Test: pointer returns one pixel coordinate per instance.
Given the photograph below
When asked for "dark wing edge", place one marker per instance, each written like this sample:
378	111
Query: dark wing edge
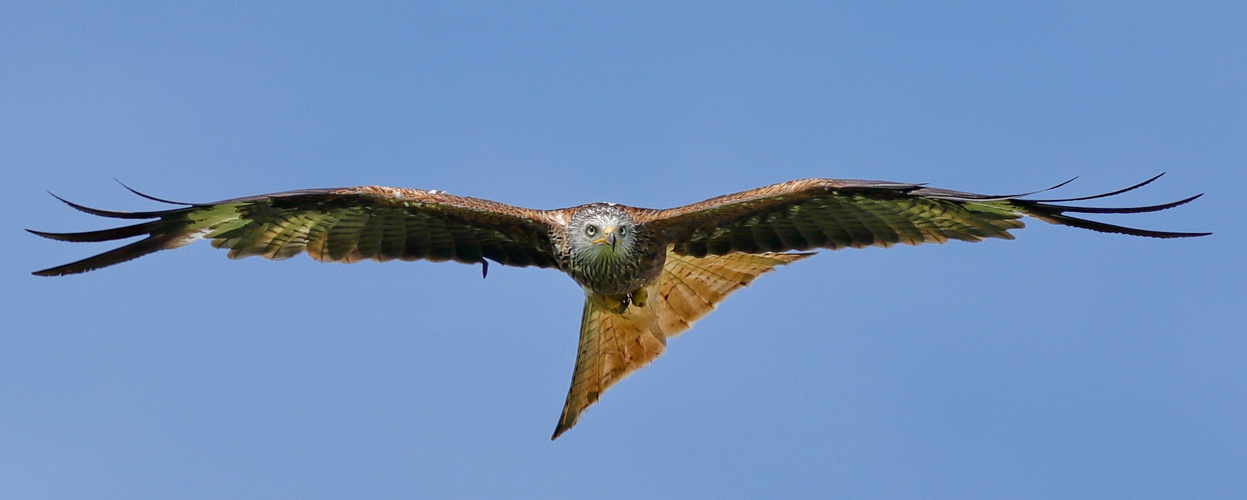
1050	211
331	225
830	213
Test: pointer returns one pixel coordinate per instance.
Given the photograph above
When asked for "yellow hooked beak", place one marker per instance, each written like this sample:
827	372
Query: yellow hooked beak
608	237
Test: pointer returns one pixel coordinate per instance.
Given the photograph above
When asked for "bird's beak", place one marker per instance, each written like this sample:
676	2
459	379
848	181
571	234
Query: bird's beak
608	237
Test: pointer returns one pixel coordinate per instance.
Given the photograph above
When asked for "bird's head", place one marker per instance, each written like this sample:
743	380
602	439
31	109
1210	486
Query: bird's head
602	233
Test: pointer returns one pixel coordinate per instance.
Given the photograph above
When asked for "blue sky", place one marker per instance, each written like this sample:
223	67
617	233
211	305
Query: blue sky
1066	363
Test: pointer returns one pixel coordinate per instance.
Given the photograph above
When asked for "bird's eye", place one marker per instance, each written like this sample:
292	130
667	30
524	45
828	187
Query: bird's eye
623	230
591	230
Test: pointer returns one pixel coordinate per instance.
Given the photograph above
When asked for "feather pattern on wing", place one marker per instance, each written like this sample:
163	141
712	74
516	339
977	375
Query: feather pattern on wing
828	213
335	225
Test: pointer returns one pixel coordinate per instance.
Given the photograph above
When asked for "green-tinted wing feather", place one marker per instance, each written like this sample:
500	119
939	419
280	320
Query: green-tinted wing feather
334	225
828	213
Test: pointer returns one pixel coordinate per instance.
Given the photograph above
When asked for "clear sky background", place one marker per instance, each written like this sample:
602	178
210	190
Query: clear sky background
1066	363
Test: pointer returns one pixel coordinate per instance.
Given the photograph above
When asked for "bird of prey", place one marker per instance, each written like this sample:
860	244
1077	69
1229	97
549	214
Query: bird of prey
647	274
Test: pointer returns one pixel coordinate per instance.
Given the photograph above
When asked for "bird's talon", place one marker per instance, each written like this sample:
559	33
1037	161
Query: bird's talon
639	297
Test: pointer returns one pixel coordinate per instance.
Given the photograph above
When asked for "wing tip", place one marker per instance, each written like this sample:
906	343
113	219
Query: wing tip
111	213
157	232
43	234
1049	211
150	197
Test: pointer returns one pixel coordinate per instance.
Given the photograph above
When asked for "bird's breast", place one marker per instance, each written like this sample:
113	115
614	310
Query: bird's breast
613	276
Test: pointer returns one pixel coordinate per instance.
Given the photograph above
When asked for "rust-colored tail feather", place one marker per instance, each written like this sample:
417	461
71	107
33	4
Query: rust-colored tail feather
612	346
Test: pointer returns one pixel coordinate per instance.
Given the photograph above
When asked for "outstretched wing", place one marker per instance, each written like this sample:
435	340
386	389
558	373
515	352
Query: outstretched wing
333	225
829	213
612	346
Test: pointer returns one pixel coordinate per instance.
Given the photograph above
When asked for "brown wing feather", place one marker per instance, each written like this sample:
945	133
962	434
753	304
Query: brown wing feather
830	213
335	225
612	346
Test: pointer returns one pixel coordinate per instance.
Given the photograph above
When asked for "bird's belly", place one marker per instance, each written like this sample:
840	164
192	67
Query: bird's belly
622	279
